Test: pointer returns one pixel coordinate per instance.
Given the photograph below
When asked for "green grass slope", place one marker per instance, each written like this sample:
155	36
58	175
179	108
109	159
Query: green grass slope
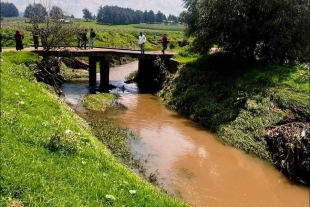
238	100
49	156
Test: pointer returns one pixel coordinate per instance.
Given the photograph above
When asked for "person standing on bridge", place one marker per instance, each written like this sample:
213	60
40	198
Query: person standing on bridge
19	40
164	41
92	37
36	39
141	42
84	39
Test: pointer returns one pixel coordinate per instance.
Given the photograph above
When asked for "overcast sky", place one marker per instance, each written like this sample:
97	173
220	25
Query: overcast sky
75	7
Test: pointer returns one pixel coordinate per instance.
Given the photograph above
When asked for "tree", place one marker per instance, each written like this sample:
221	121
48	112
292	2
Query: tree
35	12
145	17
276	30
54	35
56	13
182	17
8	10
172	18
151	17
87	14
159	17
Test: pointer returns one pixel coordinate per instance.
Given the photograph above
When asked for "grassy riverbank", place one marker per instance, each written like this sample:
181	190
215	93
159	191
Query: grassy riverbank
238	100
50	157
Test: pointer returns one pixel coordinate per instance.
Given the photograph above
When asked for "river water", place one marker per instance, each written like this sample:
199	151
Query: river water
188	161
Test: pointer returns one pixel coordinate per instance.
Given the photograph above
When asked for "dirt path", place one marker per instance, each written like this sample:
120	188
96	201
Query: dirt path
14	49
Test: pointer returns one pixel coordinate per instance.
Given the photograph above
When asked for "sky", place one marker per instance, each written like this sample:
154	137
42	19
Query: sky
75	7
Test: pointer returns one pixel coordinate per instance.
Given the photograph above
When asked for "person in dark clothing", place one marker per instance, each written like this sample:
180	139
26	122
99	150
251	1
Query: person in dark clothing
19	40
43	35
79	38
164	41
84	39
36	39
92	37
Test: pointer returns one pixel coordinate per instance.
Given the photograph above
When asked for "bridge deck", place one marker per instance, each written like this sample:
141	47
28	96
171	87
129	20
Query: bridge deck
101	52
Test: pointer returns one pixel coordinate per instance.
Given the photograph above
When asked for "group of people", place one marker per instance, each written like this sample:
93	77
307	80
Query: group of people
82	39
36	34
142	40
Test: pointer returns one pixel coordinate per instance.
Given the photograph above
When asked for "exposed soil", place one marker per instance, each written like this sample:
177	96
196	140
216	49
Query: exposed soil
289	145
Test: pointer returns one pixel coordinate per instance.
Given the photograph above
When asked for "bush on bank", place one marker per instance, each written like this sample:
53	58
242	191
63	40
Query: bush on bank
49	156
240	100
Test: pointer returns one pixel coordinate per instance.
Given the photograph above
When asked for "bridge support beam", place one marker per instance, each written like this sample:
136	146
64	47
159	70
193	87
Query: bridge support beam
104	75
92	75
147	74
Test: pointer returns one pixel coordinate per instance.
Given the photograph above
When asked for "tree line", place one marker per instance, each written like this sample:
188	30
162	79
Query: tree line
116	15
106	14
9	10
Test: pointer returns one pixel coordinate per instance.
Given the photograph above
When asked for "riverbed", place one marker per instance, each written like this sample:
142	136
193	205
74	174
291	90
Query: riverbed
187	160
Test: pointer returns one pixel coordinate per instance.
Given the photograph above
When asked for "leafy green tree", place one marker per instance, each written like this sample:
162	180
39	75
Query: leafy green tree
172	18
159	17
151	17
145	17
35	12
54	35
87	14
276	31
8	10
117	15
56	13
138	17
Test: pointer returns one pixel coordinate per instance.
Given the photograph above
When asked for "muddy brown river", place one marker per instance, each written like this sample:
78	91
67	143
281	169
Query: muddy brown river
188	161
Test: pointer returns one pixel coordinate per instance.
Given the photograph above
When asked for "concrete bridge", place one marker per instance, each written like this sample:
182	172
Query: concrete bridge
104	57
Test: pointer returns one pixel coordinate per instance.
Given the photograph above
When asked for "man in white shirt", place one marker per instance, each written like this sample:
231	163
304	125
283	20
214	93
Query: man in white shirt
141	42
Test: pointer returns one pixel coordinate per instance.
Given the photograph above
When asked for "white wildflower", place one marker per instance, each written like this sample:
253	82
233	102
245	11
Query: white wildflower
68	131
132	192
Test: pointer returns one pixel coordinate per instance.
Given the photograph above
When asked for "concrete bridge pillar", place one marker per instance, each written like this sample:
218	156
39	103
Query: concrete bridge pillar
146	73
104	75
92	75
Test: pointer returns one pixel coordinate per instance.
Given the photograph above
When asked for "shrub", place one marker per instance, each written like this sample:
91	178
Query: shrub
63	142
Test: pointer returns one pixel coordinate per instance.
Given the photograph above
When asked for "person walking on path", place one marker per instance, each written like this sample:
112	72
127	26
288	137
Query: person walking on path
19	40
84	39
141	42
164	41
92	37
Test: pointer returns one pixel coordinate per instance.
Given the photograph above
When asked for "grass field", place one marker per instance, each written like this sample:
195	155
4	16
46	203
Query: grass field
114	36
